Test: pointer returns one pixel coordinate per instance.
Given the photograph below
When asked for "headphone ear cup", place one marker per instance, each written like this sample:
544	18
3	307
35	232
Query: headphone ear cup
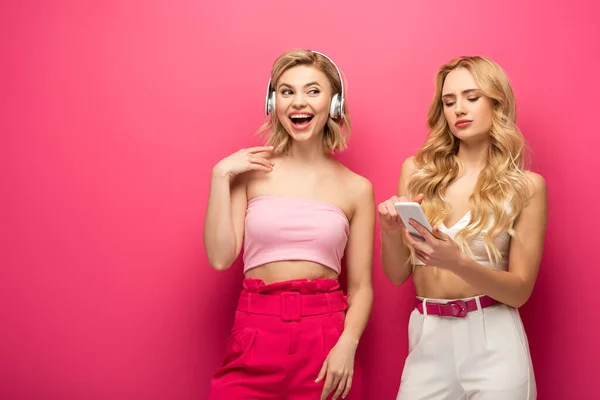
272	101
270	106
334	109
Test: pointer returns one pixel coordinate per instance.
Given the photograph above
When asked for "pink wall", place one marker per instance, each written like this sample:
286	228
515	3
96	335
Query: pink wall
113	114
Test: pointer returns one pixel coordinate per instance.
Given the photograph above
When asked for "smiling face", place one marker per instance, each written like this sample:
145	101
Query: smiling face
303	96
303	83
466	109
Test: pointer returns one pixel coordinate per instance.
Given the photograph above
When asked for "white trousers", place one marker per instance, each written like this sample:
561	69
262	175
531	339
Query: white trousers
484	356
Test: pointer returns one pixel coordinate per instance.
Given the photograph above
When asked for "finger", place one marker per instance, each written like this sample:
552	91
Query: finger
382	209
389	206
393	218
438	233
348	386
322	372
425	234
392	211
410	239
330	383
384	212
328	387
417	243
260	160
258	149
422	256
258	167
340	388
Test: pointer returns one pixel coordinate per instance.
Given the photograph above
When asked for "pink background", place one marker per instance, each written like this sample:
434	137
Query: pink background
114	112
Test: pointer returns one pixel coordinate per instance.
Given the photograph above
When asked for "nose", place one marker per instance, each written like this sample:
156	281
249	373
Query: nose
299	101
459	108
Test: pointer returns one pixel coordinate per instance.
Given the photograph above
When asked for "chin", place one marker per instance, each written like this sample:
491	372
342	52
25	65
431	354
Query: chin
302	136
471	137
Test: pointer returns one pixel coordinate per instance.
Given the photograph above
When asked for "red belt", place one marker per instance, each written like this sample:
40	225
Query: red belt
291	306
454	308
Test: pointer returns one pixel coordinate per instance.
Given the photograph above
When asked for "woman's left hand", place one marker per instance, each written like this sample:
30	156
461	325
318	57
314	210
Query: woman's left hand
437	249
338	368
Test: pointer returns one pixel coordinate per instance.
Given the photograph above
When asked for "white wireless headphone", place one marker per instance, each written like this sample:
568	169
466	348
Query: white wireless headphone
336	110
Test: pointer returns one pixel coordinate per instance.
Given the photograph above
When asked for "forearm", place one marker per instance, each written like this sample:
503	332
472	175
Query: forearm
360	302
219	234
395	256
504	286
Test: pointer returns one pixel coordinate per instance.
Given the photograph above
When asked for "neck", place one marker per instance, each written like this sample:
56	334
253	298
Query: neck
473	155
308	152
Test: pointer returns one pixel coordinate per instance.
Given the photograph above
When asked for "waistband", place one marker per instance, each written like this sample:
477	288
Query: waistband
292	306
453	308
319	285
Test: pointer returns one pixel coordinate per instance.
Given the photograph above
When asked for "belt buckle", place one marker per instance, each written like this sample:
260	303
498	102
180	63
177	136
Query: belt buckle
291	306
462	308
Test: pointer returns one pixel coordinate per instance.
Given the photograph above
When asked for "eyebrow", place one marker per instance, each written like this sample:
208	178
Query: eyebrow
468	91
307	85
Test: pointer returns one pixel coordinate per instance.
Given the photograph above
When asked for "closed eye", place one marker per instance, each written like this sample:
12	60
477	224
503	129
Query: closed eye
473	99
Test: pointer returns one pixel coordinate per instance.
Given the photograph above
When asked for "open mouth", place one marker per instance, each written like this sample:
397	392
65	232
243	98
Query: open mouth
301	120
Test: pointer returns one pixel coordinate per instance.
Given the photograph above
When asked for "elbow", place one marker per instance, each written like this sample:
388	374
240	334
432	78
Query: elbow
516	303
221	258
520	302
219	263
220	266
522	297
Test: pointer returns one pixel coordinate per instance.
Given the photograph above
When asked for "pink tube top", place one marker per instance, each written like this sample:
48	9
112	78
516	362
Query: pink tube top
287	228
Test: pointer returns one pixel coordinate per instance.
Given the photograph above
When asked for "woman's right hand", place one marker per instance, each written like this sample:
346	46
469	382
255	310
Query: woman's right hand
389	219
244	160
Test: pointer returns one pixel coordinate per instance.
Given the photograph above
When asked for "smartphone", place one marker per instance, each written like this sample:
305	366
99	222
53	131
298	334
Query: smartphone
412	210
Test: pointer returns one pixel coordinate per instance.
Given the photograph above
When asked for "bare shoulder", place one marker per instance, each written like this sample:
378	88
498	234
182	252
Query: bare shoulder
537	204
358	186
536	184
362	186
409	166
535	213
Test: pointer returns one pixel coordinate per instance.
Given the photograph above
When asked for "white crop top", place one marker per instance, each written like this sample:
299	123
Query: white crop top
477	246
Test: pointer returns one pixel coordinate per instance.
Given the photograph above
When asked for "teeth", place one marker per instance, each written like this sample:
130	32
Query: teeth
300	116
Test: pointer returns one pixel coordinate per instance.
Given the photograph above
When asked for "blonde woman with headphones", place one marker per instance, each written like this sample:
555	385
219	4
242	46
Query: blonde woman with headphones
296	211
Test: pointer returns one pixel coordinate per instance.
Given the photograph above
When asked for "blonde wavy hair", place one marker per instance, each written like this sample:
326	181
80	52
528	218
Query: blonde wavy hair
501	191
336	132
